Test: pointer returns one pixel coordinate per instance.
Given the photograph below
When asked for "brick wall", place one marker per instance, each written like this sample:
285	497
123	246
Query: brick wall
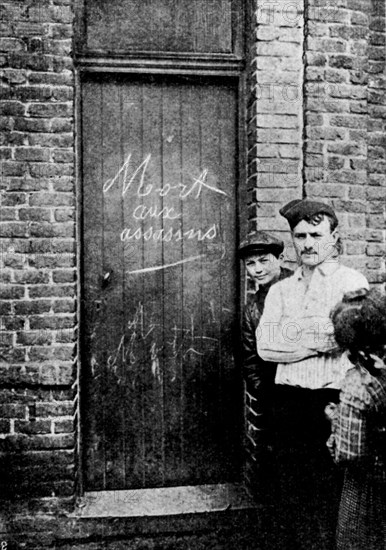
37	262
275	115
376	140
343	106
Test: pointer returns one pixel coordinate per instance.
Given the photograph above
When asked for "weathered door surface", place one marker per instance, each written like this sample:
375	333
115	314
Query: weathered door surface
161	392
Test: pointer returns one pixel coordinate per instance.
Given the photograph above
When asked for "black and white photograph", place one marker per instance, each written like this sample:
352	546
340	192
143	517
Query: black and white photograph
192	275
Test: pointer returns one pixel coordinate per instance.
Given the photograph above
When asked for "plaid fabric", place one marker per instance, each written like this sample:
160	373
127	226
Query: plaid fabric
362	512
358	441
359	421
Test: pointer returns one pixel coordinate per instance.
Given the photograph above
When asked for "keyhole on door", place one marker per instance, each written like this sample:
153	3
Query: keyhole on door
106	279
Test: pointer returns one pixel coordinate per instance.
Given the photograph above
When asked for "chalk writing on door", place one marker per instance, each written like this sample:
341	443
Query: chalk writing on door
133	178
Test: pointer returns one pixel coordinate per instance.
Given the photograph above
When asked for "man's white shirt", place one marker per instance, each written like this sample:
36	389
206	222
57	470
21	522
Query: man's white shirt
295	329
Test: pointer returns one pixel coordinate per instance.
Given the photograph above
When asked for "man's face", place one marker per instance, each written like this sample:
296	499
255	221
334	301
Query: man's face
262	267
314	243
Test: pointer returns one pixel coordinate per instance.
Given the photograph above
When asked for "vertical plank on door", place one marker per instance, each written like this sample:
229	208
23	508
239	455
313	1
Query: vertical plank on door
133	154
112	284
173	289
92	306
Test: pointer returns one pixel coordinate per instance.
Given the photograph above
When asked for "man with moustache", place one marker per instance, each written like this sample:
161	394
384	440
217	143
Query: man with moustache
261	253
295	332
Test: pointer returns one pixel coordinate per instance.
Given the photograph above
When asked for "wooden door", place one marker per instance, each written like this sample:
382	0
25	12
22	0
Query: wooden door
162	400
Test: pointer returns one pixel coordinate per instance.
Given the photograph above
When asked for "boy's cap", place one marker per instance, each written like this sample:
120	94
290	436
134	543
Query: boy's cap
299	209
260	242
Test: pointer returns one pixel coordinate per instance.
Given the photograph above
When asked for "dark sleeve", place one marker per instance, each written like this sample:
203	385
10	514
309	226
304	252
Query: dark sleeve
250	357
259	377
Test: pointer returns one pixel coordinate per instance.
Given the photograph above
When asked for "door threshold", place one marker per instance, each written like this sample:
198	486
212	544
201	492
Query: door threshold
164	501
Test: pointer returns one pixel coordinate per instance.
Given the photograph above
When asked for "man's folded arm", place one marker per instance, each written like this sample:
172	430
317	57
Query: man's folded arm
277	342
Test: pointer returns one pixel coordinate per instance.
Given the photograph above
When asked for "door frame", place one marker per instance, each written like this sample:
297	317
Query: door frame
148	63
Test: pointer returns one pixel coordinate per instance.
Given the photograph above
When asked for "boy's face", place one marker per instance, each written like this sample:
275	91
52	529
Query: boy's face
314	243
263	268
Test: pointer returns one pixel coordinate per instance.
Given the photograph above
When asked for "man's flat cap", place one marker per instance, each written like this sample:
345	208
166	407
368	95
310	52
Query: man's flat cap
260	242
300	209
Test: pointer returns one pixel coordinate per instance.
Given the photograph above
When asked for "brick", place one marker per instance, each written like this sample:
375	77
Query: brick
15	261
32	307
48	354
33	427
376	193
32	93
41	441
62	79
51	140
12	355
12	323
61	375
46	229
348	121
375	249
377	222
16	229
13	168
64	306
316	59
33	154
377	153
335	76
326	190
47	110
11	292
374	263
350	206
277	49
32	124
32	277
11	410
377	39
355	247
346	149
64	426
13	199
34	214
374	235
5	277
358	18
327	106
43	170
375	67
278	136
6	339
377	166
14	76
357	192
34	61
5	123
61	125
329	14
11	45
5	153
4	426
376	277
64	215
34	338
51	322
51	199
326	45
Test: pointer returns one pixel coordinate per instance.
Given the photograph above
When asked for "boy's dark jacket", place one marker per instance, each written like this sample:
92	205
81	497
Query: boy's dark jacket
259	374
